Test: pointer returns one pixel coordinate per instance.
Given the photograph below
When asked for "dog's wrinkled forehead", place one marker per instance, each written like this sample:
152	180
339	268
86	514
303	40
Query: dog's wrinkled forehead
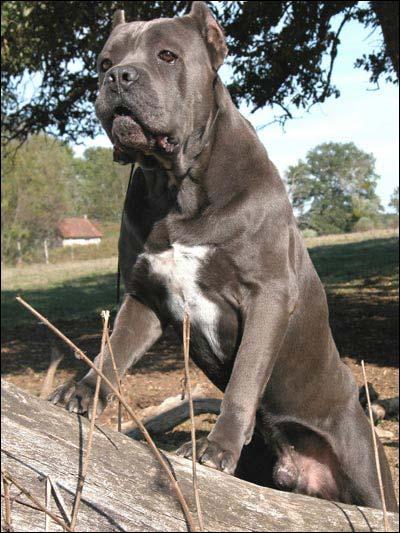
142	40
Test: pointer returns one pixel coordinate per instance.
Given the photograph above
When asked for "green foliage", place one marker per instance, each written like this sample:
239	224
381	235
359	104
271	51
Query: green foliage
394	200
334	188
100	185
364	224
309	233
35	184
278	53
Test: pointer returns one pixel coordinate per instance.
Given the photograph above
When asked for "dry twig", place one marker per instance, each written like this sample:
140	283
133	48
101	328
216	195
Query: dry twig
35	500
186	344
26	504
79	353
47	496
377	462
118	380
7	505
59	500
82	477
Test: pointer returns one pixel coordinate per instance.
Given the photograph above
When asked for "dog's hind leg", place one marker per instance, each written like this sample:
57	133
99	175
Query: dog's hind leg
136	329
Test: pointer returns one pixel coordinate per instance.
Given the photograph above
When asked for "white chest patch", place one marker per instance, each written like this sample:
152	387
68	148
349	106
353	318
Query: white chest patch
178	268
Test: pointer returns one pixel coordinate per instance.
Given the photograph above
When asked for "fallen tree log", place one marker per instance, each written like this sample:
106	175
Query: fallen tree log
172	412
126	490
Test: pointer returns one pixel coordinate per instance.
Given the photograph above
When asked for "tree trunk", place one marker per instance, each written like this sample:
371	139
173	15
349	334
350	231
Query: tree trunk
388	17
126	490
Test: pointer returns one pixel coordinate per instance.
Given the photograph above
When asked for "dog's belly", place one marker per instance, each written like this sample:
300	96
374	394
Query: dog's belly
177	269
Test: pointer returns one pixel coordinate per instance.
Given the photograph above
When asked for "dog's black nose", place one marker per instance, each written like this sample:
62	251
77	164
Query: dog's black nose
122	77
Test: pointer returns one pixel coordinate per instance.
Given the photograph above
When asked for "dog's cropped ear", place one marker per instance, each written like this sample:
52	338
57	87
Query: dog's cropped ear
212	33
118	18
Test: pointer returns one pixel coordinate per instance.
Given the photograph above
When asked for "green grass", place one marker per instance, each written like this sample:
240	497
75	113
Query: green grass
79	290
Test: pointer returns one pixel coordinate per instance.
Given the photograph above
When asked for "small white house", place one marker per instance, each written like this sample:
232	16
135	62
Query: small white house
76	231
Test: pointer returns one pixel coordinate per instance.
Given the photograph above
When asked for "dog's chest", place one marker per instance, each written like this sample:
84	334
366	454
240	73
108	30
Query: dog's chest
178	269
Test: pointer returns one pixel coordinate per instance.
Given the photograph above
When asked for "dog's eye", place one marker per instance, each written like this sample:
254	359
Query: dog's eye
167	56
105	65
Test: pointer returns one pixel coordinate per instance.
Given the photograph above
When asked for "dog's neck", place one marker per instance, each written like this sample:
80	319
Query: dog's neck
191	175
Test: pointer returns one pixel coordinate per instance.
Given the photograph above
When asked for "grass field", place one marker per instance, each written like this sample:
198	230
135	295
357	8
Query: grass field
78	290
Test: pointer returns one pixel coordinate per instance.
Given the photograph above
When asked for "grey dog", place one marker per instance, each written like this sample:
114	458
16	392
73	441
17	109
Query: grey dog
208	228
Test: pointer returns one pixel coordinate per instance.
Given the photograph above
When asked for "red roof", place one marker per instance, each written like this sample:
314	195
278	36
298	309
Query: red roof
78	228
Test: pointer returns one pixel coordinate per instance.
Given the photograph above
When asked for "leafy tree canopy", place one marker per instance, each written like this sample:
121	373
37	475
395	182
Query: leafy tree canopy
334	188
281	53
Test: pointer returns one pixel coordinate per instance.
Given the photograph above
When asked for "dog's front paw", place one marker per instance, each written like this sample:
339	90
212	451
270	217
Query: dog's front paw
77	398
212	454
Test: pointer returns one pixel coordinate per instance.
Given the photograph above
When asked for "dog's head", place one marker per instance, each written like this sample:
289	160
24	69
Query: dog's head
156	81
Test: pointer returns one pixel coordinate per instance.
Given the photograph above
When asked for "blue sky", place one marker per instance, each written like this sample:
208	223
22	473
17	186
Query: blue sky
362	114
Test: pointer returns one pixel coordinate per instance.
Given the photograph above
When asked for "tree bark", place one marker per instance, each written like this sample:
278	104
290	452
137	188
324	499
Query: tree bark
125	489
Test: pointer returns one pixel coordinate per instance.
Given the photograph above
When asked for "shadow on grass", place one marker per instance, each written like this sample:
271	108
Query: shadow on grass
365	261
74	307
360	277
81	299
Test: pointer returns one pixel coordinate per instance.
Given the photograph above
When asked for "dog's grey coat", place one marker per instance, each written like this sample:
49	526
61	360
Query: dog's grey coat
208	227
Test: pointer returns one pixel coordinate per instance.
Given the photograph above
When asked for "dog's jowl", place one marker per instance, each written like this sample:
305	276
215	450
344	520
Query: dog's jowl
208	228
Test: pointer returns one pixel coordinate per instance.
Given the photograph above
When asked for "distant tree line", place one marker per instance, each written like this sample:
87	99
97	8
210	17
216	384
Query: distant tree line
333	191
43	182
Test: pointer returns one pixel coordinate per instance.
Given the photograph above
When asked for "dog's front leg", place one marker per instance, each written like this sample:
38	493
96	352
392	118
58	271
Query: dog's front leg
136	329
266	320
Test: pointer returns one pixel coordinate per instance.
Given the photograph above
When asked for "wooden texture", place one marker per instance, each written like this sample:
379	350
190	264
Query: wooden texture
126	490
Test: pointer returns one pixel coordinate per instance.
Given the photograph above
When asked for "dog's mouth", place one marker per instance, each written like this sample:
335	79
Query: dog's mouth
129	136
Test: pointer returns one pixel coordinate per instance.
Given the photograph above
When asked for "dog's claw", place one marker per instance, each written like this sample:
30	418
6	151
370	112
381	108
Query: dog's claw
55	398
210	454
77	398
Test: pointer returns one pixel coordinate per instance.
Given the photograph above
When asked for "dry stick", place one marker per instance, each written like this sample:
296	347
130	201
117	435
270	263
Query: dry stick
7	508
47	495
59	499
117	380
377	463
186	344
149	440
35	501
17	500
82	477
